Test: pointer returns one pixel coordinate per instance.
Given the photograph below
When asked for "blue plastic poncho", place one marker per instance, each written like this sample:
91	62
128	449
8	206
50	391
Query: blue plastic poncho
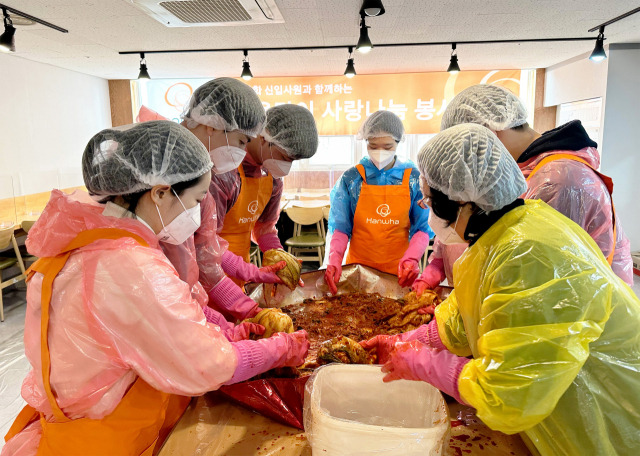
346	192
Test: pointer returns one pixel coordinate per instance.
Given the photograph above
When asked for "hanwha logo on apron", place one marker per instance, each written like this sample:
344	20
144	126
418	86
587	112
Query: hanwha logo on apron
253	207
383	210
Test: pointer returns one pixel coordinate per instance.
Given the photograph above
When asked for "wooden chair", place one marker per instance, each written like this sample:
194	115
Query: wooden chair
7	239
26	258
306	241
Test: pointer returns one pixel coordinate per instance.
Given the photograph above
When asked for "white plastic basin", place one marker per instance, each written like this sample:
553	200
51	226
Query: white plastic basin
349	411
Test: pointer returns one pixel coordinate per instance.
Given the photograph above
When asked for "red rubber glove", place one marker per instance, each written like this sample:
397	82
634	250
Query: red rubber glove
417	361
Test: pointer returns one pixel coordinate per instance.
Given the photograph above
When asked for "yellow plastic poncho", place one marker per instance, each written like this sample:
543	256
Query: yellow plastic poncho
554	334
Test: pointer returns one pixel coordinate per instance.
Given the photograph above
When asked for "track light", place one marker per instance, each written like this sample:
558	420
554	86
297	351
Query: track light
351	69
364	43
372	8
246	71
453	63
144	74
7	39
598	54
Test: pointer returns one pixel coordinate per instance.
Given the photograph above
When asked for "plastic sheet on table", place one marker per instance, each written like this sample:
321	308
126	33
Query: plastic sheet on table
281	399
212	426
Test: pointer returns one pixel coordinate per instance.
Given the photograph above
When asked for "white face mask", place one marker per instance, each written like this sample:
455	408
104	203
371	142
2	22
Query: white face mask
445	232
381	157
277	168
226	158
182	227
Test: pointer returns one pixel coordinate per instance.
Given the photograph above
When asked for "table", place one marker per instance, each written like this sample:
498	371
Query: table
212	426
309	203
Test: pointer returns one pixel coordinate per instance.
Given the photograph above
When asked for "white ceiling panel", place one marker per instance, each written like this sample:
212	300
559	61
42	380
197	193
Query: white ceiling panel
98	29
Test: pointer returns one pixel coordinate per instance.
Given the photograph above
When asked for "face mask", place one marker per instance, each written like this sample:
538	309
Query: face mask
182	227
381	157
445	232
277	168
226	158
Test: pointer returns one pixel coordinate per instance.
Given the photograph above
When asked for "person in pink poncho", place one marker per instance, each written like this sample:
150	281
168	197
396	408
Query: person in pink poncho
560	166
121	336
225	115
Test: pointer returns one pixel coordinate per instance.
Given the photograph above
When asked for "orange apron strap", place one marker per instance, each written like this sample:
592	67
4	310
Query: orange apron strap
362	172
241	171
605	179
406	177
50	268
26	416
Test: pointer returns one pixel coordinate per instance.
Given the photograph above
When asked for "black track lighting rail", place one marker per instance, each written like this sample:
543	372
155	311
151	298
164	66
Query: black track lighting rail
346	46
615	19
35	19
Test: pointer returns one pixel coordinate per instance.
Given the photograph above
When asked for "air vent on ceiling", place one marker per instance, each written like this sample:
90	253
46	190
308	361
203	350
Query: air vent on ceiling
200	13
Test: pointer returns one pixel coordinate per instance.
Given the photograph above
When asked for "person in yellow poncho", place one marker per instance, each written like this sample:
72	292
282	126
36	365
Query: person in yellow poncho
553	332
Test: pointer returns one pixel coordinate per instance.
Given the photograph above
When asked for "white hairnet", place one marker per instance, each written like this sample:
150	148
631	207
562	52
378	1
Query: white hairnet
226	104
469	164
382	123
488	105
293	129
124	160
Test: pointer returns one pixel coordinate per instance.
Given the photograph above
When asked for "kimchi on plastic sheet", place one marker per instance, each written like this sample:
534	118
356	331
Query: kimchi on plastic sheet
282	398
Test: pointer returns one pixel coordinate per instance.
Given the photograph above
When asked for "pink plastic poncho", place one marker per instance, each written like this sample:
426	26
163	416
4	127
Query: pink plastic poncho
576	191
118	311
448	253
199	259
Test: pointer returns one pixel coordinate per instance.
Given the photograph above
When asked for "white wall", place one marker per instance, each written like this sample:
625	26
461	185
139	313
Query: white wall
621	146
574	80
47	115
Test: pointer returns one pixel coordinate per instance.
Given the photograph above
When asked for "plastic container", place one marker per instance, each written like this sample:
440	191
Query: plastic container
349	411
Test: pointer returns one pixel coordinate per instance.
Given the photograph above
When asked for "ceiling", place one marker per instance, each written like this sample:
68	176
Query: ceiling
99	29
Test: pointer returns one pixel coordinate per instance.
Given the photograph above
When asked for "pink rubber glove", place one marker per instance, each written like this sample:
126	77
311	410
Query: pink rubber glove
338	246
415	361
431	277
243	331
235	266
408	269
228	298
258	356
215	317
269	241
384	344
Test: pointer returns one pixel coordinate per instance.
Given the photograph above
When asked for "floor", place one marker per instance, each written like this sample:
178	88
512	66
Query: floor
14	365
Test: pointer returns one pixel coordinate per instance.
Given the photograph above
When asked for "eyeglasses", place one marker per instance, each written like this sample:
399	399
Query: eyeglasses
425	203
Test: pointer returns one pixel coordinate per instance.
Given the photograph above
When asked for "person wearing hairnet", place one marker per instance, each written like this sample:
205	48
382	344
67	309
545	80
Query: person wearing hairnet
374	206
114	338
552	330
560	166
248	198
224	114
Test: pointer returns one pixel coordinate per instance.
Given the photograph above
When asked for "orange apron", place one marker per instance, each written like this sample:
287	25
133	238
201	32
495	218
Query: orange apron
255	193
142	419
381	224
608	182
